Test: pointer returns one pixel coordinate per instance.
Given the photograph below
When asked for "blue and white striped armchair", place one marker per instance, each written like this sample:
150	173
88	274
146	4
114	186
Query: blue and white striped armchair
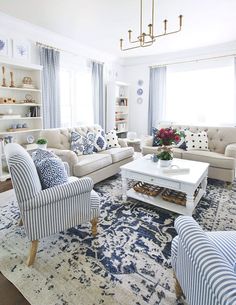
49	211
204	264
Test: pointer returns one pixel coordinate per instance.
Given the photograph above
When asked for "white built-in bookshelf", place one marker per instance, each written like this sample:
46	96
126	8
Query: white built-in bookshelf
117	108
20	116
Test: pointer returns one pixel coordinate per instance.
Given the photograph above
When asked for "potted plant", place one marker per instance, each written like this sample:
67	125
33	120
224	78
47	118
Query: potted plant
42	143
168	137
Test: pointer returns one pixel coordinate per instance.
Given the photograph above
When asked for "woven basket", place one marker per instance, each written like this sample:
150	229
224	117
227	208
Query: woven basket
147	189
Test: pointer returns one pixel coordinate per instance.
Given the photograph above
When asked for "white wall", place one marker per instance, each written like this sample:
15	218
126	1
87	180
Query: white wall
137	68
138	112
129	69
14	28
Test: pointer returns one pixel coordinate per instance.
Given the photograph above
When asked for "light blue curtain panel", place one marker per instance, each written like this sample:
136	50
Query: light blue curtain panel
50	60
98	93
157	97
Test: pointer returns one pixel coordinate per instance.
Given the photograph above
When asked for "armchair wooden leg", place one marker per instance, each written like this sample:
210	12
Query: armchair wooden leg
178	290
94	223
20	223
32	254
228	185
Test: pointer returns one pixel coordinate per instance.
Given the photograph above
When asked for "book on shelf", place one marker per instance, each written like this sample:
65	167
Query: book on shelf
34	111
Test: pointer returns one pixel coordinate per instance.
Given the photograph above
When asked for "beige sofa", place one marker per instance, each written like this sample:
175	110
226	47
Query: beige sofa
98	166
221	155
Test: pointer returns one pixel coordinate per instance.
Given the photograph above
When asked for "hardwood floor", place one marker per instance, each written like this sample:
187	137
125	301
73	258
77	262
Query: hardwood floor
9	294
5	186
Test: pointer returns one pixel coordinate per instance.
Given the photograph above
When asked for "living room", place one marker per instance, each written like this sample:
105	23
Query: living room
118	148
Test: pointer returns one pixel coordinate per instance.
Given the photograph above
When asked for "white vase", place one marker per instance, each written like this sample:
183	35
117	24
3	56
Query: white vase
165	163
42	146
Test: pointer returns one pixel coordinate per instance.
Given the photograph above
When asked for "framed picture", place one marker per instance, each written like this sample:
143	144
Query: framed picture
21	49
4	48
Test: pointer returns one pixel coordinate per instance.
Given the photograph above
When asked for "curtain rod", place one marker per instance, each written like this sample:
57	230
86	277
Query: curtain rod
40	44
192	60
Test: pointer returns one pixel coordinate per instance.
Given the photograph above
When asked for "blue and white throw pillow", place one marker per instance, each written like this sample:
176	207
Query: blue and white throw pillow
41	154
112	139
100	142
182	142
156	139
76	143
82	145
51	172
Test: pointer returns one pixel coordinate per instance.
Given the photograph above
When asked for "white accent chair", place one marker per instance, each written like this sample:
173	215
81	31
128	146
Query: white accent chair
49	211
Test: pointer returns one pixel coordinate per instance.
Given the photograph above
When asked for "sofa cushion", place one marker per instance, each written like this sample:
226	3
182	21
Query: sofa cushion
196	141
153	150
112	139
177	152
156	139
51	172
215	159
41	154
118	154
82	144
90	163
225	242
100	142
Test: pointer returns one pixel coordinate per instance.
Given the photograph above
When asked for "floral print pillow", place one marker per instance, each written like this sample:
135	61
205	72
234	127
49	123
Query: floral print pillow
82	145
100	141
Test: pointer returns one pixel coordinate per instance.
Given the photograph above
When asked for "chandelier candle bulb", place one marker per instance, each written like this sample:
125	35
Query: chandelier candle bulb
130	32
150	30
165	25
180	21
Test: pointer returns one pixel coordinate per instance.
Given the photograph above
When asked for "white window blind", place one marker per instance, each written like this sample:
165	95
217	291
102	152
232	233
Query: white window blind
76	94
201	93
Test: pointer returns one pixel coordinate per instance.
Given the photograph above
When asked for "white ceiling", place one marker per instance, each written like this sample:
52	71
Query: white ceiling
101	23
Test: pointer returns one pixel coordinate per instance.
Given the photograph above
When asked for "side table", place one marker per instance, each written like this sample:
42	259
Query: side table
136	143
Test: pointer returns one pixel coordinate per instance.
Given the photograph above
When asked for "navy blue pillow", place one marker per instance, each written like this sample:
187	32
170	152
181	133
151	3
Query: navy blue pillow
51	172
156	140
182	142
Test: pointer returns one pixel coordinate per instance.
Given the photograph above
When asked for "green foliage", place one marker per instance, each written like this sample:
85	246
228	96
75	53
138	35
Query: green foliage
165	155
41	141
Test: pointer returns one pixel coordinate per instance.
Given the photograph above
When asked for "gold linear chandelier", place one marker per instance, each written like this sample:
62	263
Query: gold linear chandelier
147	39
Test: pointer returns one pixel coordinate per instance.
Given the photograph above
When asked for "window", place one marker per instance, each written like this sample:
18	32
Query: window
76	94
201	93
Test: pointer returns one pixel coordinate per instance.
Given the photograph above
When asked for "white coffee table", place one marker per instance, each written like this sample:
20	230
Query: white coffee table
145	170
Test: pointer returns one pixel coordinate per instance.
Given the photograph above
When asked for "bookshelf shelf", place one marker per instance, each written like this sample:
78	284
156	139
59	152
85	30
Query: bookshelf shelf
28	113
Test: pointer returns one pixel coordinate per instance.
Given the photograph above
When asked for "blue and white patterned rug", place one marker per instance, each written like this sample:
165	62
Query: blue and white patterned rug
128	263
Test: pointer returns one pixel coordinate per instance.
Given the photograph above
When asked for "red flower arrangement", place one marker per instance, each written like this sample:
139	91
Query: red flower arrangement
168	136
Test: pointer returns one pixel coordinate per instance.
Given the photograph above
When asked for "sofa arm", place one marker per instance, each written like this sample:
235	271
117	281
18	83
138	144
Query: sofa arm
122	142
146	150
204	263
67	168
59	192
230	150
147	141
68	156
